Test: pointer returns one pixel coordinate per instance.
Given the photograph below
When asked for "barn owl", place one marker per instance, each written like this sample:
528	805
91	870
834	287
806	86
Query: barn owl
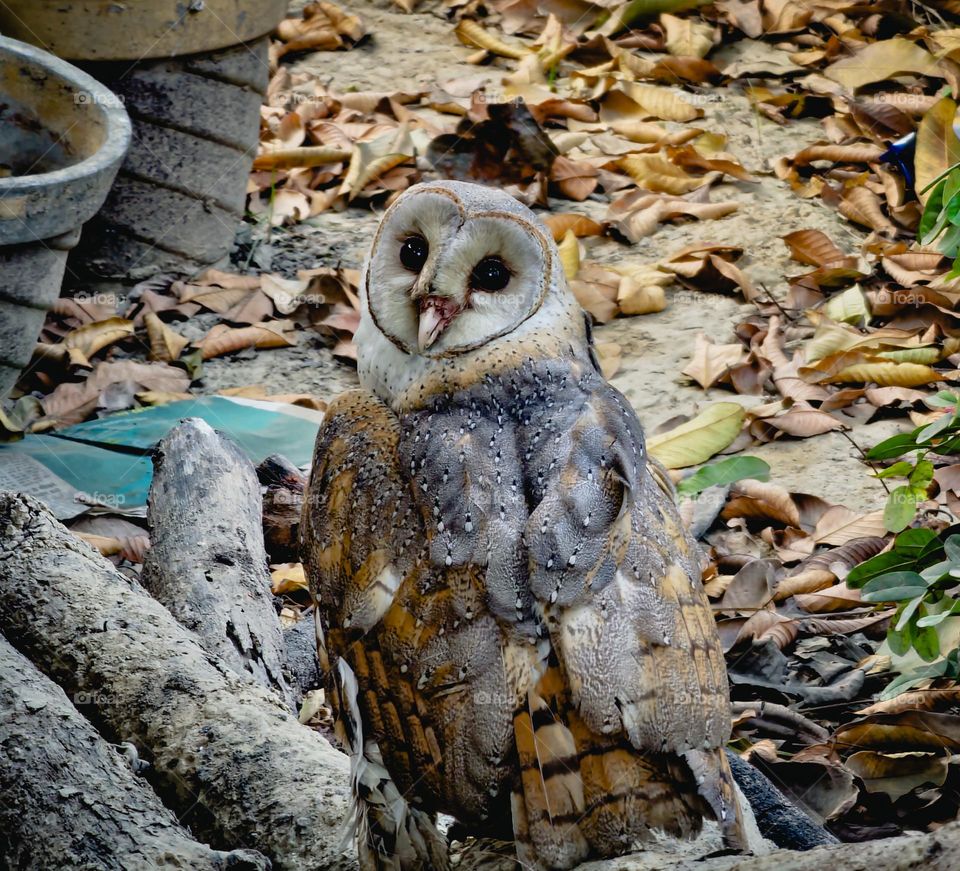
510	613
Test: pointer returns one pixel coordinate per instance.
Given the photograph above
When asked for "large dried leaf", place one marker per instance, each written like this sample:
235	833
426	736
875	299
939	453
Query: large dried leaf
763	501
469	32
323	27
227	340
815	248
840	525
886	375
580	225
898	774
73	402
687	37
96	336
903	732
712	363
165	344
306	156
937	148
639	213
698	439
663	103
576	179
882	60
653	172
862	206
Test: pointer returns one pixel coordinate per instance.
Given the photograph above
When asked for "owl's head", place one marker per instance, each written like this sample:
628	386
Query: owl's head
456	266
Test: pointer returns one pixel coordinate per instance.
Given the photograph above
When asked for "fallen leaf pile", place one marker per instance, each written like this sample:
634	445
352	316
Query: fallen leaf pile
107	355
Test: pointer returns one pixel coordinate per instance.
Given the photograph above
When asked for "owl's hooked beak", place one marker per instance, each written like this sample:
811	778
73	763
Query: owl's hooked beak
436	314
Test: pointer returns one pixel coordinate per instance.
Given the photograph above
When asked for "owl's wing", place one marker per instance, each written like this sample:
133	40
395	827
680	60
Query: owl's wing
628	618
360	537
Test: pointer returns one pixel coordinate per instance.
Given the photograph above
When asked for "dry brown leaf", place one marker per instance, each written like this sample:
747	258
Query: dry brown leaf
840	525
560	222
638	297
828	151
815	248
227	340
165	344
575	179
569	251
762	501
654	172
882	60
887	375
937	146
595	288
609	355
839	597
712	363
862	206
287	578
72	402
638	213
469	32
686	37
322	28
97	335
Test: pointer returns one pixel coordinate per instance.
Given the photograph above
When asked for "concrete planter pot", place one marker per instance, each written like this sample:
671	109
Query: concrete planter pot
63	136
192	76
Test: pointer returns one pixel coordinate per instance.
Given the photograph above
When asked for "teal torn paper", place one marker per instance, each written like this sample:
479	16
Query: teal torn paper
105	463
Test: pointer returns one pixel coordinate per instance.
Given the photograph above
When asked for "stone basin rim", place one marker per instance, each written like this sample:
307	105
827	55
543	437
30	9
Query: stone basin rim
118	127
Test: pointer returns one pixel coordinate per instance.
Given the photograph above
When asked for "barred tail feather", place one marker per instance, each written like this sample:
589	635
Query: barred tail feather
391	835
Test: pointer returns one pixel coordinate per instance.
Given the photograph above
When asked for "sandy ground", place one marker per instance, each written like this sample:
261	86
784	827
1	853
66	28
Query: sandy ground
411	52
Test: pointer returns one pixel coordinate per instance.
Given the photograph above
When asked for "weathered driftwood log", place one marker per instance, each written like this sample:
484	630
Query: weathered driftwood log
282	502
225	753
69	800
207	562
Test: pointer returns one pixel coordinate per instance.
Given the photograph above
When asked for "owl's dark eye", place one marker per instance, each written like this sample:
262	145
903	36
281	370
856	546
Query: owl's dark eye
413	253
490	274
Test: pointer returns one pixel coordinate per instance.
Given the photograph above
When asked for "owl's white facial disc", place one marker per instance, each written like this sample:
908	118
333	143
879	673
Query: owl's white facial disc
447	275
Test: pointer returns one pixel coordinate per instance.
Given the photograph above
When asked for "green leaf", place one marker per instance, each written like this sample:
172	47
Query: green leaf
921	476
927	643
916	542
932	211
900	641
932	574
723	472
894	587
949	242
907	612
935	428
876	566
895	446
942	399
898	470
901	508
951	548
952	206
937	619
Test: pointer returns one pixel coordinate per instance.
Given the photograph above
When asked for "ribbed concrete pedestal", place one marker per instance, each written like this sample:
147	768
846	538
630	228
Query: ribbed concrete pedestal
180	194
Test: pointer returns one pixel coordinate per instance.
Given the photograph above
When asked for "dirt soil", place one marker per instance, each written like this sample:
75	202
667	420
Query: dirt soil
411	52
